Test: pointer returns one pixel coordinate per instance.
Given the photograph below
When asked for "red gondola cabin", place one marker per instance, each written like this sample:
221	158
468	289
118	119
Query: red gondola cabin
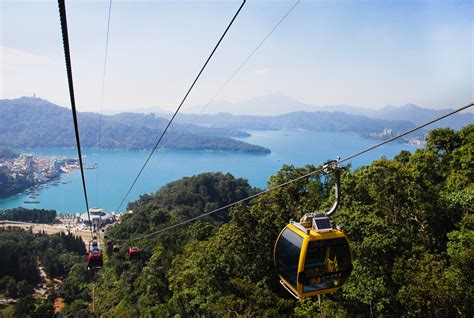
94	260
134	254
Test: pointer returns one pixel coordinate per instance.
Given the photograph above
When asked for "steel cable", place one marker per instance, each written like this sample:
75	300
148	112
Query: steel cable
179	107
298	178
102	104
67	56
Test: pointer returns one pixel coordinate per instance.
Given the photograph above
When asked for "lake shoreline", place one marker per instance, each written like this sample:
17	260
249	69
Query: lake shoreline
116	169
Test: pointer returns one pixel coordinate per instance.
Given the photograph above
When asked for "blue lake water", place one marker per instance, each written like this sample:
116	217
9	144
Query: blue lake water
108	184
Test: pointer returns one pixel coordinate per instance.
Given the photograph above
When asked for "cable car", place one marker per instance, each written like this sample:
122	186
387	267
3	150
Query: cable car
313	256
134	254
109	247
94	259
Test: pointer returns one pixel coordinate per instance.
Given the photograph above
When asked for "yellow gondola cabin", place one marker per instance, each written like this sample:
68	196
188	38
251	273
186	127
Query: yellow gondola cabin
313	257
311	262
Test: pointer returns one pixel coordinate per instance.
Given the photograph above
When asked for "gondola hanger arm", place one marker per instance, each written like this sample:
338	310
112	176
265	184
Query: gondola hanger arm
332	167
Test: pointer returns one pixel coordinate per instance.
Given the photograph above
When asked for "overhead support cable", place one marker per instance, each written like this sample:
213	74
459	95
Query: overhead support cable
237	70
67	56
179	107
309	174
99	137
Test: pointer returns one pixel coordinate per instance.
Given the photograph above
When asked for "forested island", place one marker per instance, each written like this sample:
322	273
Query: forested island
409	222
36	123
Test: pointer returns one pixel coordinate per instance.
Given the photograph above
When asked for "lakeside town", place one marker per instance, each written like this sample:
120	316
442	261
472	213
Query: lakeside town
387	133
26	173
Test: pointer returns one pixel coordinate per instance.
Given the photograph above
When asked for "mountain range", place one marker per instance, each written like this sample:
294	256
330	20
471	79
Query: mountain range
280	104
33	122
313	121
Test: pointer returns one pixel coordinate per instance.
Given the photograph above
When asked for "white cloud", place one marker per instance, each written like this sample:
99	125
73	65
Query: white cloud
11	58
263	71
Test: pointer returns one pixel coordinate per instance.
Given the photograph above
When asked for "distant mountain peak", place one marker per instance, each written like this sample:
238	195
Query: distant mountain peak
410	106
28	100
31	99
266	105
275	96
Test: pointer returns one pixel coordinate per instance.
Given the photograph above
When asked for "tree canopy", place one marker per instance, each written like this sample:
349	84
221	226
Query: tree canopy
408	221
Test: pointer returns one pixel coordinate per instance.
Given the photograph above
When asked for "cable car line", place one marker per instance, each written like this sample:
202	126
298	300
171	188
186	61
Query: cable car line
67	56
298	178
237	70
93	298
180	105
102	103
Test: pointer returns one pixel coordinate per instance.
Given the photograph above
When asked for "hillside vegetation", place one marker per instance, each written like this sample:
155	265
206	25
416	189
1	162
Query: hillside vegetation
408	220
60	256
28	215
33	122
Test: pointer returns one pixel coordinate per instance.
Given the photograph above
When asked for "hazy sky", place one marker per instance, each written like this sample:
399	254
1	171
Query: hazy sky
368	53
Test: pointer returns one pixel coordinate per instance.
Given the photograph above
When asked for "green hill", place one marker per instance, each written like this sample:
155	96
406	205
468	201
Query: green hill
408	220
35	123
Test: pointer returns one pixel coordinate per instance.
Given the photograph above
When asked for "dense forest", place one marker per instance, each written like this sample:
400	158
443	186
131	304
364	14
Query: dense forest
23	252
28	215
34	123
408	220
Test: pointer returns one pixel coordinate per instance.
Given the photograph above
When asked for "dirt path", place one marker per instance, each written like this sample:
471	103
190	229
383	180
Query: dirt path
40	291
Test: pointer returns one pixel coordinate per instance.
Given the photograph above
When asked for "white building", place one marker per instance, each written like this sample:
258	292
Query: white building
98	216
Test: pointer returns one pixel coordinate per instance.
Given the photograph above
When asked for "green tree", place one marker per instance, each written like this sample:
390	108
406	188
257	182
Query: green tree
25	307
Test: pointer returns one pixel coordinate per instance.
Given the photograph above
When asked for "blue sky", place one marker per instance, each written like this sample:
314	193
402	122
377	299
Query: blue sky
367	53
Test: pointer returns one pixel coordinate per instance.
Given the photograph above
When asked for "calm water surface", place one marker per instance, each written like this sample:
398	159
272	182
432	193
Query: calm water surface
108	184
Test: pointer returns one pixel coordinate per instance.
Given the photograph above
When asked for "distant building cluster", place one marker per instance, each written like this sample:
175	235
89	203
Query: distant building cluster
416	141
388	133
37	169
385	134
